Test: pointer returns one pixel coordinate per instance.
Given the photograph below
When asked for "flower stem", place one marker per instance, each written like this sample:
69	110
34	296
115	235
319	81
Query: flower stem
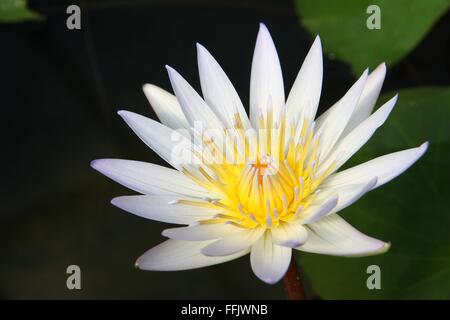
292	282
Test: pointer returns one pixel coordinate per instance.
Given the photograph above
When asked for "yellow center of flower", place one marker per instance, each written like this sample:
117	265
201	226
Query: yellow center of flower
276	182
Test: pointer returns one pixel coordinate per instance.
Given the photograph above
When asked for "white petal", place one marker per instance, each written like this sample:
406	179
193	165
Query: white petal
201	232
332	123
289	235
166	107
385	168
175	255
266	83
349	194
351	143
333	199
268	260
304	96
368	98
148	178
163	208
234	243
318	211
218	91
169	144
332	235
194	108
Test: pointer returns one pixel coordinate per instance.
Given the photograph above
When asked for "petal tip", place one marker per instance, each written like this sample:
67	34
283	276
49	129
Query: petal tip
116	201
383	249
386	246
200	47
424	147
148	88
99	164
142	262
123	113
169	68
389	105
380	68
202	53
378	74
262	26
263	33
365	72
173	74
317	43
127	116
94	164
271	281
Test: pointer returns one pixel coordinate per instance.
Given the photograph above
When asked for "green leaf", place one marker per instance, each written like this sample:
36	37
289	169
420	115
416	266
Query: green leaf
343	29
412	211
16	11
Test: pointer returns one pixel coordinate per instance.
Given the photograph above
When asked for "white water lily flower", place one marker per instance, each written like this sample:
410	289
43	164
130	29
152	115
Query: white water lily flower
285	193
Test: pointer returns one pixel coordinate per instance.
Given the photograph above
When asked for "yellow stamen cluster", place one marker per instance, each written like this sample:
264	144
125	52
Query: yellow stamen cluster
276	182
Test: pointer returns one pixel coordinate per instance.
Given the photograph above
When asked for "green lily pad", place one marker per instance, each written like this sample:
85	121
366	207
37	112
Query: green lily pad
343	29
16	11
412	211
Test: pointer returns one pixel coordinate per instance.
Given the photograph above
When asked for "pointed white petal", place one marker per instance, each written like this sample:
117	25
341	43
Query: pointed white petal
166	107
266	83
148	178
289	235
201	232
268	260
194	108
304	96
351	143
319	210
234	243
175	255
162	208
368	98
352	193
334	236
332	123
169	144
385	168
218	91
346	195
